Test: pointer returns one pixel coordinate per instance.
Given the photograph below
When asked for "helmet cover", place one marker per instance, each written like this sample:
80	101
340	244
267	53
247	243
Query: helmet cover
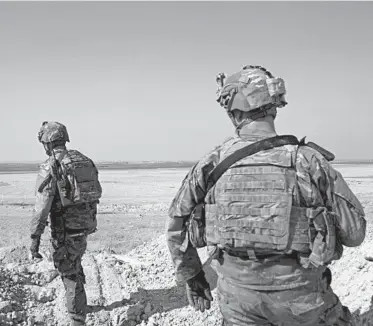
249	89
51	131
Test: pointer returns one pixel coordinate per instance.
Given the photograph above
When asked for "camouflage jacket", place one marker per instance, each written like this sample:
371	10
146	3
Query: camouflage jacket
316	183
48	203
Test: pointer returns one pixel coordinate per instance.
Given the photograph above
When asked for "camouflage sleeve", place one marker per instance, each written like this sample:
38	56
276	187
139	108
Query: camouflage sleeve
43	202
321	185
191	192
351	222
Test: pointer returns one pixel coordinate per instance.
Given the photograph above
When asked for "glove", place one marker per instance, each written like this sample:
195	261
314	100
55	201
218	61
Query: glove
35	247
326	279
198	292
327	275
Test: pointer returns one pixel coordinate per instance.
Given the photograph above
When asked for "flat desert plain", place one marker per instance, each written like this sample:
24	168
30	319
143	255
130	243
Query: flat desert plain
129	275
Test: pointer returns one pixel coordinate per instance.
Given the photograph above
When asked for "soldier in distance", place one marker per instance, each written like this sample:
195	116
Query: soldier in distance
67	190
274	220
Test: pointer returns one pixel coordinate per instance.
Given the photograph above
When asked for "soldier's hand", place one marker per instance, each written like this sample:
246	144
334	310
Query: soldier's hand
198	292
34	248
327	275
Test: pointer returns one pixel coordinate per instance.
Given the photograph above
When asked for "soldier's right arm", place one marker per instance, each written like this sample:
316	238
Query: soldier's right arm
191	193
321	185
43	202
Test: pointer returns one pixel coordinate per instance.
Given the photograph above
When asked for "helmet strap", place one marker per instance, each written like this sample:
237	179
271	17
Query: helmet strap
232	94
231	116
48	148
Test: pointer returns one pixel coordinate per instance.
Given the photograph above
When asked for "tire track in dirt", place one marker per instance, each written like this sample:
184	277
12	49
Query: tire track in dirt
115	297
93	284
95	291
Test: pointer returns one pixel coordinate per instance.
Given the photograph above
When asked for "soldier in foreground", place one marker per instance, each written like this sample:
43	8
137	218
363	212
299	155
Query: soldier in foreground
274	217
67	190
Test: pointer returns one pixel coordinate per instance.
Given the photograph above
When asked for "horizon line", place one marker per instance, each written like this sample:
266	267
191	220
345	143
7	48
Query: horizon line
167	161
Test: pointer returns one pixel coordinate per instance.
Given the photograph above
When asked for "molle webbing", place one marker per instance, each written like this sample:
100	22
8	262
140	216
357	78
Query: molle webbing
82	177
255	210
300	232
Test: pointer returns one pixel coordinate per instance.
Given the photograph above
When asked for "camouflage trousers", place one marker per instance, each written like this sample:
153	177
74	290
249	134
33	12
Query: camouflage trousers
312	304
67	257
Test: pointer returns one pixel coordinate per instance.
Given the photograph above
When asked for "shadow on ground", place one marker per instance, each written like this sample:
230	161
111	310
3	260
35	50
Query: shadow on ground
366	318
162	300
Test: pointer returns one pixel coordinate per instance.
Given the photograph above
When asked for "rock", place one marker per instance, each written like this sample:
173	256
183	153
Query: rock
22	269
11	266
148	308
31	269
131	316
126	274
30	321
46	295
50	275
212	319
129	260
5	306
39	318
122	319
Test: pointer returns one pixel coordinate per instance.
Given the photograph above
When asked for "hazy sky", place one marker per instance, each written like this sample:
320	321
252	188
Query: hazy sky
136	81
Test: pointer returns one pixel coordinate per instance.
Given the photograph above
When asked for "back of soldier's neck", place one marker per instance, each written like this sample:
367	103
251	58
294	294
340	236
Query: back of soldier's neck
59	148
261	127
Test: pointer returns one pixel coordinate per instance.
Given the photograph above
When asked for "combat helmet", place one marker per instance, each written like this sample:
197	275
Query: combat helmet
52	132
253	89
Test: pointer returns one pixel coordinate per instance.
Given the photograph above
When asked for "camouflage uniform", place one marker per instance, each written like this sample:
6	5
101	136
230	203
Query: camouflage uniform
69	243
274	289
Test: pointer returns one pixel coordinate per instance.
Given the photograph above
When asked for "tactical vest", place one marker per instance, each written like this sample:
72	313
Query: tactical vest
255	206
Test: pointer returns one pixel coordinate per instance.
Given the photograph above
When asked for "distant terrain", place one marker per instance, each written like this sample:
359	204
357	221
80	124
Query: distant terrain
33	167
19	167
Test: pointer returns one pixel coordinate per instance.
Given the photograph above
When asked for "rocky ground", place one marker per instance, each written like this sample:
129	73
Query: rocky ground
133	289
138	287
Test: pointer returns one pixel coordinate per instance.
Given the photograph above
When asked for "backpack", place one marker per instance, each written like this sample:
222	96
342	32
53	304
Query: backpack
77	179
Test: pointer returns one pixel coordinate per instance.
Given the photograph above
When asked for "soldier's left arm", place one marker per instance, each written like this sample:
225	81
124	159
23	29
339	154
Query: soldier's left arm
337	196
43	202
191	193
351	223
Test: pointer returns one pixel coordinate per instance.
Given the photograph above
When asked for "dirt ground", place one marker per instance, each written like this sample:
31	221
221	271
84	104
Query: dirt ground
130	278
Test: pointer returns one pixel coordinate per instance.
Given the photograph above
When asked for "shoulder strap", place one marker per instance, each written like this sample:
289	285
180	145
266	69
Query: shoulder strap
328	155
49	177
251	149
